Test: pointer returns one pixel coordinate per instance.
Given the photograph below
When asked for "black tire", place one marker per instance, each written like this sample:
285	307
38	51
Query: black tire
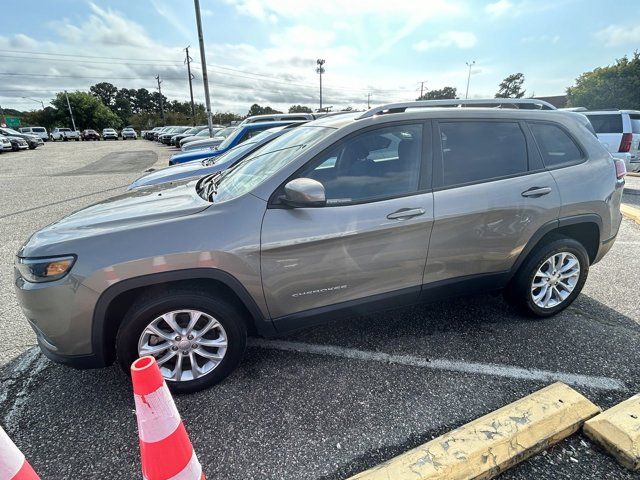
32	147
146	309
518	292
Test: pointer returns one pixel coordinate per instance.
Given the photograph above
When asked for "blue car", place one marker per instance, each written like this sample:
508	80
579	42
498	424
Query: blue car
200	168
241	134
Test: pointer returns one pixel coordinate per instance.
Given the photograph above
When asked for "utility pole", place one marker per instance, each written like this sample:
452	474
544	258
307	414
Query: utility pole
368	100
320	70
422	88
73	122
203	61
160	92
466	95
191	77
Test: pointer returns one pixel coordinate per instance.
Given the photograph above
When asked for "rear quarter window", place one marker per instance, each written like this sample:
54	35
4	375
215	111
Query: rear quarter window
606	123
635	123
557	148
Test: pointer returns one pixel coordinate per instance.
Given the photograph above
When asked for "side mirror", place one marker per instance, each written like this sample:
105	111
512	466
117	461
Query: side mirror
304	192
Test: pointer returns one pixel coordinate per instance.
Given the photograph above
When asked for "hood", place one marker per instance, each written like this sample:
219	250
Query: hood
132	209
172	173
194	155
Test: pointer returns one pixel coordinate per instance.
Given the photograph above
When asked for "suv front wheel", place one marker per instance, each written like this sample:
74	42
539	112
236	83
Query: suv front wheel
197	339
551	277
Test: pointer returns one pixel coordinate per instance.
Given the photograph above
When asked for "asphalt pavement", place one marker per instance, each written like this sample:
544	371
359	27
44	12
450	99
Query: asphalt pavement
324	403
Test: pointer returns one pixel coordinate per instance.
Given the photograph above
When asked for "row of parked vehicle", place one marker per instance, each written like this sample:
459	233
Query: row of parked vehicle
66	134
13	140
307	221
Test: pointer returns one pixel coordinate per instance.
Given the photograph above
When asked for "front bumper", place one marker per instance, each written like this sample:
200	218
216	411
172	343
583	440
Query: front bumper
61	315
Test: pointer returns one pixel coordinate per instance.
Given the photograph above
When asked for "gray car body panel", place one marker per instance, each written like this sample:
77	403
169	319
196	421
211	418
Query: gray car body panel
294	261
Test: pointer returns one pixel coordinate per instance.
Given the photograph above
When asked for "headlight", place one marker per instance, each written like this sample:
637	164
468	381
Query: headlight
44	269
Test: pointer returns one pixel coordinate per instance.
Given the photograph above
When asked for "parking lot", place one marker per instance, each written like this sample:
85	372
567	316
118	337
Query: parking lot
324	403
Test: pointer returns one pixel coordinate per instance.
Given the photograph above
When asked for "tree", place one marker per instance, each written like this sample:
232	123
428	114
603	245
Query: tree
511	87
258	110
123	104
225	118
442	94
299	109
613	86
143	101
105	91
88	111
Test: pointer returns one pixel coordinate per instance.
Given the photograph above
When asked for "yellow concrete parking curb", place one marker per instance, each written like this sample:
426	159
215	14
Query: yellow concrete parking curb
633	174
630	212
489	445
617	430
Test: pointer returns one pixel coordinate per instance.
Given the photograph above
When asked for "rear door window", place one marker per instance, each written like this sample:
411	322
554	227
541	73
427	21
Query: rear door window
474	151
606	123
557	148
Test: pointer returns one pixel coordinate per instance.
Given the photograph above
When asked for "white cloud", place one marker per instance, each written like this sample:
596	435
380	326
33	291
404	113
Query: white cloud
616	35
302	36
499	8
554	39
448	39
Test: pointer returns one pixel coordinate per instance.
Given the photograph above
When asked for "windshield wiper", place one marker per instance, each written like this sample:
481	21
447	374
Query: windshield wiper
210	187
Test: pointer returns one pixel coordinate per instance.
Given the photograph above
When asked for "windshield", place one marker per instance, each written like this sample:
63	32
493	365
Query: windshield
225	132
11	131
229	140
264	162
241	150
205	132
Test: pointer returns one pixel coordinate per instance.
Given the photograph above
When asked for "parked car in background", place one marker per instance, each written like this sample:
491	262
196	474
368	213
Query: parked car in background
393	206
89	134
208	166
165	137
5	144
278	116
175	140
109	134
128	132
619	132
64	134
148	134
37	131
156	135
208	142
241	134
201	135
32	140
17	143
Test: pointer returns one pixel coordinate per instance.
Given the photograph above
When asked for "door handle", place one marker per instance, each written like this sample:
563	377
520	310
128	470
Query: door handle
405	213
536	192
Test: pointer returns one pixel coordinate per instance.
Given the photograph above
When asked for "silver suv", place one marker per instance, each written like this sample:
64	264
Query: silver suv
345	214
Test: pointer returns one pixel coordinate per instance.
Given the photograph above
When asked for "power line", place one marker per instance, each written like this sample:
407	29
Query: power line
249	75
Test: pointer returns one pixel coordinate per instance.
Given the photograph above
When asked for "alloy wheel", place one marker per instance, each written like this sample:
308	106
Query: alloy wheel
187	344
554	281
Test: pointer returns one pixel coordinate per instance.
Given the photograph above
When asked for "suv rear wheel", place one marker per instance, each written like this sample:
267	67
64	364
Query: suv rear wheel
197	339
551	277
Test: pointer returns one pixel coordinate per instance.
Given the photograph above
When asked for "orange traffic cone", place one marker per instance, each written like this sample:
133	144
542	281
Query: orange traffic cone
165	448
13	465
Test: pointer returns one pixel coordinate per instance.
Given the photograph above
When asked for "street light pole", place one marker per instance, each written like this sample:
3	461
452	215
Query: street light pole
466	95
320	70
203	61
37	101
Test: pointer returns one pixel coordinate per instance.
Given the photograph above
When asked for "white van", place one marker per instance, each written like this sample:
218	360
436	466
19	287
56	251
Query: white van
278	116
619	132
37	131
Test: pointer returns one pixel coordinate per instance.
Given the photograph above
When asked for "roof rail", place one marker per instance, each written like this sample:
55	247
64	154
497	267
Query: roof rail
521	103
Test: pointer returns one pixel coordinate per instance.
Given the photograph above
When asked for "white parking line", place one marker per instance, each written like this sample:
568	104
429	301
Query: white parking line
508	371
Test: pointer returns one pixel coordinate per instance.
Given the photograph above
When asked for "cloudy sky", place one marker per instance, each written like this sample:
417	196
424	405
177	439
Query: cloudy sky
265	51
